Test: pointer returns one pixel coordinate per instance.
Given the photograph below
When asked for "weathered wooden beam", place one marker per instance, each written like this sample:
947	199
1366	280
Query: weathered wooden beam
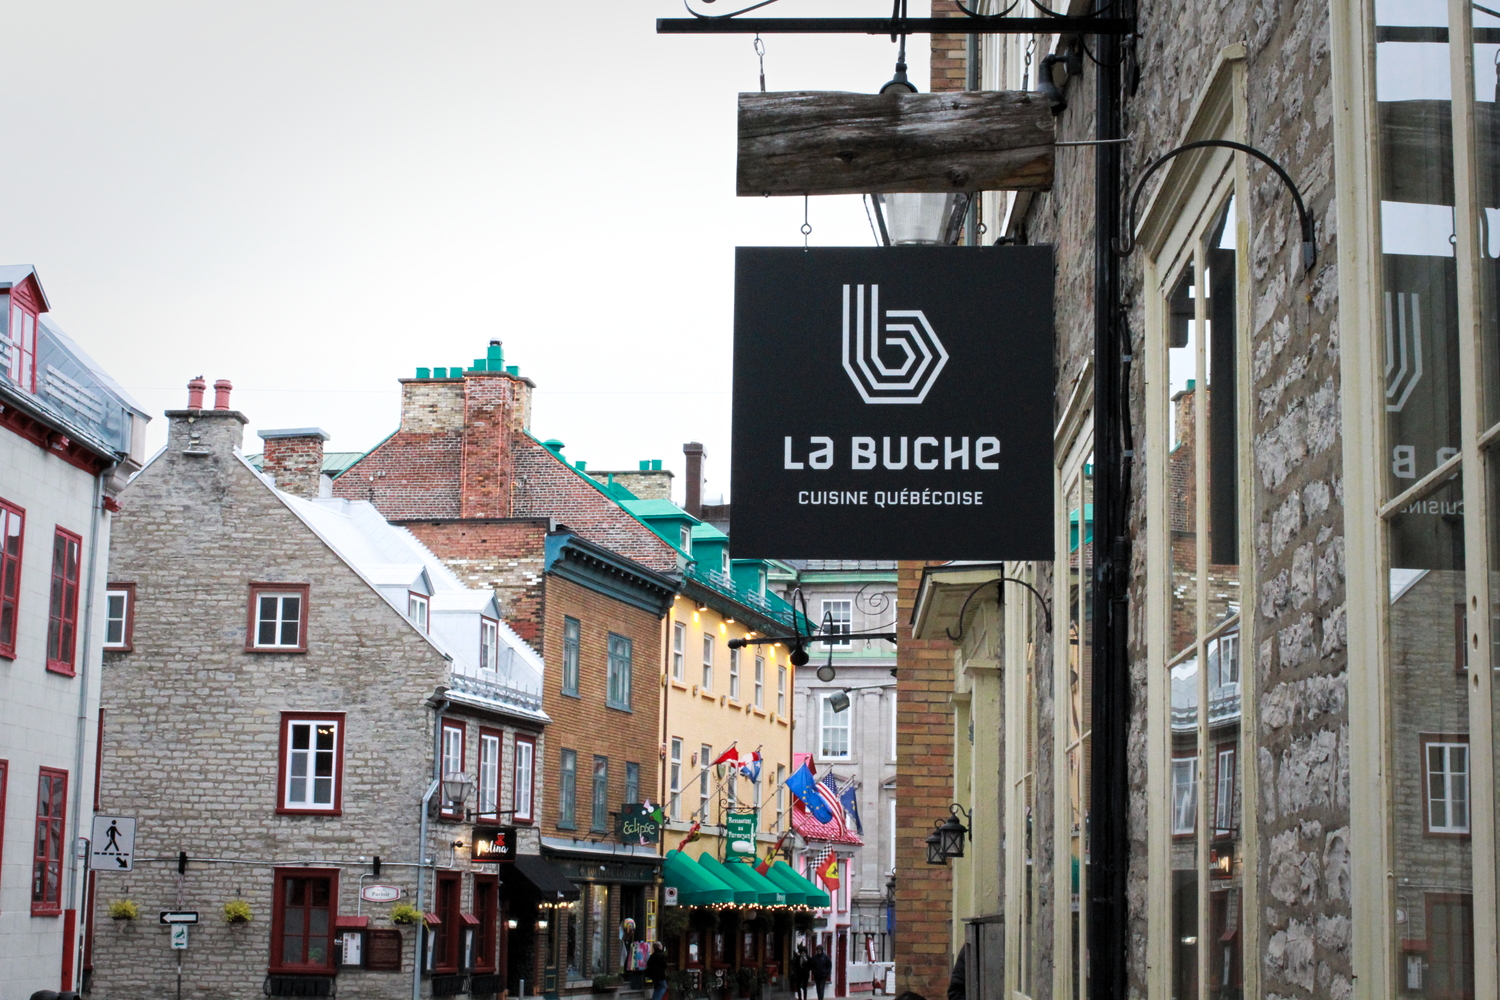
828	142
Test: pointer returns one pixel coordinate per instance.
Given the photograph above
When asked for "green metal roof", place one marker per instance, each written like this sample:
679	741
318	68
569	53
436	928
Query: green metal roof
334	462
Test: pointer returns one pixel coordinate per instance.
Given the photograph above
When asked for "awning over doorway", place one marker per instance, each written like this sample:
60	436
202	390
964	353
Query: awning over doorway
767	893
787	875
695	885
537	873
796	895
743	894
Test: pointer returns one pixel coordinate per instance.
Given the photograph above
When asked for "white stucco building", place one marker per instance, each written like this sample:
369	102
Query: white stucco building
69	439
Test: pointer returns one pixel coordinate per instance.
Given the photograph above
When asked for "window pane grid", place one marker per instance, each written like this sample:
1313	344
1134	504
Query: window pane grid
11	523
572	651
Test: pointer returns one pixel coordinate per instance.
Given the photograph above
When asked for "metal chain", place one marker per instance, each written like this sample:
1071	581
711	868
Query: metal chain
1026	74
760	51
806	226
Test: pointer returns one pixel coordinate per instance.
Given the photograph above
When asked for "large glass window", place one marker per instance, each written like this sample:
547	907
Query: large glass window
1202	494
621	665
838	619
833	733
302	924
567	789
572	644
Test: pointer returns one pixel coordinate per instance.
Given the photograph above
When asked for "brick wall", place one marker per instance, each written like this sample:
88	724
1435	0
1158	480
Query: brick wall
504	555
924	790
949	52
584	724
295	461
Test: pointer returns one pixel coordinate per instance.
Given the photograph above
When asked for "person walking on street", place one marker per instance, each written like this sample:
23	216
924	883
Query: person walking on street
821	968
656	971
801	967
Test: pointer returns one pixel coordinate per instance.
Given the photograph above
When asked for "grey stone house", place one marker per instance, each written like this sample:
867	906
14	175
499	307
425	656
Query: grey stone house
314	724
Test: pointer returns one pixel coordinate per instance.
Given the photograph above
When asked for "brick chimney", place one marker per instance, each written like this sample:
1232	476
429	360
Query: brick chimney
693	478
197	433
294	457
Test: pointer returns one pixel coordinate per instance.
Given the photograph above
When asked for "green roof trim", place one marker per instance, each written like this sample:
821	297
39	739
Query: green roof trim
787	875
696	885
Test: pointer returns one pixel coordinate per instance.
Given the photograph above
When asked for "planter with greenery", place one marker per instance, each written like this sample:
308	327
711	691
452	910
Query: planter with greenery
405	913
674	920
747	978
237	911
607	984
682	984
124	909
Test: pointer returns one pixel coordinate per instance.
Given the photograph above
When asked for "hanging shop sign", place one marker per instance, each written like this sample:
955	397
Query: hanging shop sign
739	828
638	823
893	403
494	844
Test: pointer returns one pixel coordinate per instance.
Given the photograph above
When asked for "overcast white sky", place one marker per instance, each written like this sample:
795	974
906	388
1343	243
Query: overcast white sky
314	198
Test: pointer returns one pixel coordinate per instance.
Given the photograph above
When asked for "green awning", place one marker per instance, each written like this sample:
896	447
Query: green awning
743	894
695	885
767	893
787	875
796	895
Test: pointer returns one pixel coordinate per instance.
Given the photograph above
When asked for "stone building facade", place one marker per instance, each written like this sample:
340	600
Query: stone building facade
308	703
1312	722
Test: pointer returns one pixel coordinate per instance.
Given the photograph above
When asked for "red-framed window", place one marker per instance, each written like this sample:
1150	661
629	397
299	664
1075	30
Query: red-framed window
22	334
523	790
447	934
312	763
302	919
47	855
487	909
62	613
278	618
1450	946
12	525
453	764
119	617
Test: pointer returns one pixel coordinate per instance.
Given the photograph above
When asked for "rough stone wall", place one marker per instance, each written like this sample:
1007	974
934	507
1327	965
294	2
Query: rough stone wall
924	789
193	724
507	556
1297	640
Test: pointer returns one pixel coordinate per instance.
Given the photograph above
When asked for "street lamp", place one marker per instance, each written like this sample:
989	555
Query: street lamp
911	218
456	789
951	831
935	855
839	700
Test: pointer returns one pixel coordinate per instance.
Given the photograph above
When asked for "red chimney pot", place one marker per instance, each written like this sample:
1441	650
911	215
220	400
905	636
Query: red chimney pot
221	394
195	393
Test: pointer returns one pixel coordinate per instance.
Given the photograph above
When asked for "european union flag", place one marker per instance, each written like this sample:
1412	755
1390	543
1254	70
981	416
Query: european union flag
803	785
851	808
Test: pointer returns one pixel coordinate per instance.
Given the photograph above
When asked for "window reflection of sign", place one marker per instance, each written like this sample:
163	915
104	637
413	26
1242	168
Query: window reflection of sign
494	844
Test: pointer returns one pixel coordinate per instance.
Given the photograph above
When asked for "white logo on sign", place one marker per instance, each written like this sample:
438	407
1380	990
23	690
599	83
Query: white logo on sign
1403	339
907	331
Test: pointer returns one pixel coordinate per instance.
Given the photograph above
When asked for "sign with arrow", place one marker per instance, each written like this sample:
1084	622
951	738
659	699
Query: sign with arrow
112	847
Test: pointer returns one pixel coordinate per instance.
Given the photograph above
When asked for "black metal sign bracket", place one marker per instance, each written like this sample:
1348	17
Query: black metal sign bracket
894	26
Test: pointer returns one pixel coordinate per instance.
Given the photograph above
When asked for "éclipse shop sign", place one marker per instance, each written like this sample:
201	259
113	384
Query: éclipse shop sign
893	403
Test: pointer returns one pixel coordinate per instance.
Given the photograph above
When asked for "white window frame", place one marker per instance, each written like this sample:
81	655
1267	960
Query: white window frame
780	796
843	623
1224	788
417	609
489	644
1455	786
306	762
452	744
760	682
679	651
705	754
280	621
734	675
1184	796
489	774
124	597
674	779
523	776
708	660
781	690
828	724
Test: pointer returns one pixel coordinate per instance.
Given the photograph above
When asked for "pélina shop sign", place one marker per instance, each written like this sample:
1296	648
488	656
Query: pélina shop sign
893	403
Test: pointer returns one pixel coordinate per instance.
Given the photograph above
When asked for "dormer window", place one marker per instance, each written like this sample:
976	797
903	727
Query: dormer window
687	539
416	609
724	562
21	336
761	584
489	644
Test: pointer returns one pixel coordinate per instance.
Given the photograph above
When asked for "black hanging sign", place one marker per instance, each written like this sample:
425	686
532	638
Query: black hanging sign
893	403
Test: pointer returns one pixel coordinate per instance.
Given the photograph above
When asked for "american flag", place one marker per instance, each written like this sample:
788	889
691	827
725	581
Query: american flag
828	790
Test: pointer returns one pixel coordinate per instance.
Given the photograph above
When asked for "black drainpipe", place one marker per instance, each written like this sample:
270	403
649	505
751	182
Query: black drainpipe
1108	827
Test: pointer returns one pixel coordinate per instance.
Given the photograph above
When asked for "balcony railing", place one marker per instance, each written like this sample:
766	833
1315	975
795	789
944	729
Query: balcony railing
68	391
